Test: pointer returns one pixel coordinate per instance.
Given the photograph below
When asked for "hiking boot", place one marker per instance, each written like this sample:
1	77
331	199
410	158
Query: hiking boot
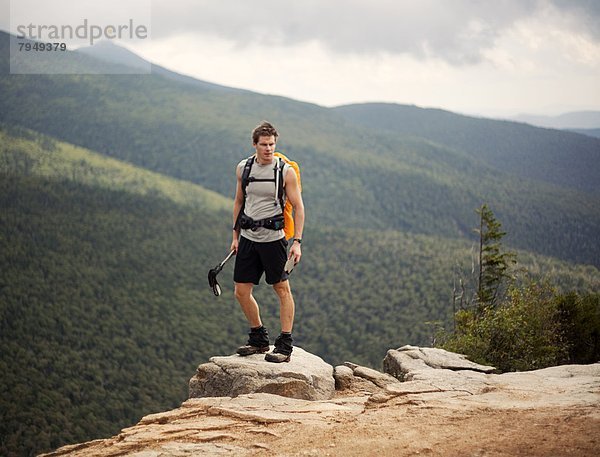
258	342
249	350
277	357
283	349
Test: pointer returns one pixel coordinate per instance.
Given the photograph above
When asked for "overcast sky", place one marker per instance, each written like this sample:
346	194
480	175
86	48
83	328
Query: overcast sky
489	57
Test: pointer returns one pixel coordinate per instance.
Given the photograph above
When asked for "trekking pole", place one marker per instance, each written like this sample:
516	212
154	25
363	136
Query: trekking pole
212	275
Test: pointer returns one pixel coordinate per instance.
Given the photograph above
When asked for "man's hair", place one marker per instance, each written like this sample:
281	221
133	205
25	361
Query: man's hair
263	129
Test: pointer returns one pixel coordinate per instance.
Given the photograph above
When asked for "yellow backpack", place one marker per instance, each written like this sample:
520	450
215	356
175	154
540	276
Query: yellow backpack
288	211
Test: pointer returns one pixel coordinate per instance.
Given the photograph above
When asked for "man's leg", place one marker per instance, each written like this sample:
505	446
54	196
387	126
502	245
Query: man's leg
286	305
284	342
243	294
258	340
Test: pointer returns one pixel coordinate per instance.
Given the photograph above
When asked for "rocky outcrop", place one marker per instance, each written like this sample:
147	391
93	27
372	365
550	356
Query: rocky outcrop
409	362
444	405
441	376
410	370
305	377
360	379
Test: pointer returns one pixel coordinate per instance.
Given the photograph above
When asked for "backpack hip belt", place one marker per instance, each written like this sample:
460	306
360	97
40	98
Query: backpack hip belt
271	223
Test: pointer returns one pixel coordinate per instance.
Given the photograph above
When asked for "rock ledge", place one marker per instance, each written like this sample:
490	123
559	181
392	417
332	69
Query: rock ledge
305	377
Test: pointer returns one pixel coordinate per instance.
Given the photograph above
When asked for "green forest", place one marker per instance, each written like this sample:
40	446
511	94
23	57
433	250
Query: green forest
115	201
105	307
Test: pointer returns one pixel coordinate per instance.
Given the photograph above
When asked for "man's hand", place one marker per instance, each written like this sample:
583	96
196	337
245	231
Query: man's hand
234	244
295	252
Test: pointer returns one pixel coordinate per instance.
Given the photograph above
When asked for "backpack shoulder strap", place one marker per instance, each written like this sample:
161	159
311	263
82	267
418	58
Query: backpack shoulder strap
279	182
246	173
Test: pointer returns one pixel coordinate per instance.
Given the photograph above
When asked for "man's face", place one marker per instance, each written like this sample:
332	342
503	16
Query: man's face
265	148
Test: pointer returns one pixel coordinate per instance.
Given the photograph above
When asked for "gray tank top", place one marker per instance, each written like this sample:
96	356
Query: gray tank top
261	201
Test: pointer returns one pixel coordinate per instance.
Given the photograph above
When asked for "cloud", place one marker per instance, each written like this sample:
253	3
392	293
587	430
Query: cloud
465	55
458	32
473	56
586	14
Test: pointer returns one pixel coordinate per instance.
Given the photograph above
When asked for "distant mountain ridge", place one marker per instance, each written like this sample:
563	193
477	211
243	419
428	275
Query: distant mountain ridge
589	132
576	120
108	51
561	158
115	54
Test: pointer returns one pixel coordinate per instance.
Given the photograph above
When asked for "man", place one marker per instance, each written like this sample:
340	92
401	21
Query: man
260	242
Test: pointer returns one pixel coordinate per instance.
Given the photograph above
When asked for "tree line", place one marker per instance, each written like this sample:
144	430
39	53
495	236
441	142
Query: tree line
515	322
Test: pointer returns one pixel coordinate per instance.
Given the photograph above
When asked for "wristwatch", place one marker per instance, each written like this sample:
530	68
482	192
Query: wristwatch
299	240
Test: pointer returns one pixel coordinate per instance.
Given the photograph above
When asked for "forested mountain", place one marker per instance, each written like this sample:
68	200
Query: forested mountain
356	176
105	309
557	157
115	201
101	312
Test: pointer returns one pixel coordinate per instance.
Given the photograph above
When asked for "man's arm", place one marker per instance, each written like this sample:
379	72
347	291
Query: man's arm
293	194
238	202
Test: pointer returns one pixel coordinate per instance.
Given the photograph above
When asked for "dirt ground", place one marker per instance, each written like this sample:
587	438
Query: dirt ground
401	428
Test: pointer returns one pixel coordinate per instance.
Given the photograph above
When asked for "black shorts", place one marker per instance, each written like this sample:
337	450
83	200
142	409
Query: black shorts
252	259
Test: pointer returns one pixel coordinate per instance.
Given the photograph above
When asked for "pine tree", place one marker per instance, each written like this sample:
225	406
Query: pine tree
494	262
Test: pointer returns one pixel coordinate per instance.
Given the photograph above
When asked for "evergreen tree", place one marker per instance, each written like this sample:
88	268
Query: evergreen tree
494	262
